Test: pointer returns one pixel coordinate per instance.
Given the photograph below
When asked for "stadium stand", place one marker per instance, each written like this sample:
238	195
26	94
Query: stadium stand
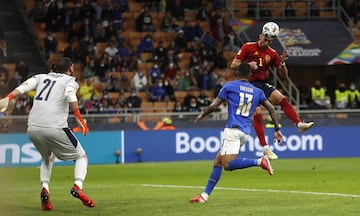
235	8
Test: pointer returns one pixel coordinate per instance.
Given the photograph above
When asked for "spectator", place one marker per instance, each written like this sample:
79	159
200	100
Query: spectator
19	108
5	55
113	84
89	70
160	52
117	16
102	68
53	17
129	63
22	69
111	50
170	93
188	97
99	33
144	21
231	42
125	83
188	31
123	49
180	41
176	9
354	96
341	97
178	107
157	92
221	29
123	4
318	96
50	44
203	13
193	107
139	81
146	45
154	74
208	41
38	12
189	81
168	23
73	51
170	71
198	30
86	90
134	101
87	11
203	99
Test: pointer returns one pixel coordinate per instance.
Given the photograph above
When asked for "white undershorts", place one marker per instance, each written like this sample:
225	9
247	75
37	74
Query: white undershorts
233	140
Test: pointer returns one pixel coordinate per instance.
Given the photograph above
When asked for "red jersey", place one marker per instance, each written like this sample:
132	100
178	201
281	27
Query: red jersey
263	57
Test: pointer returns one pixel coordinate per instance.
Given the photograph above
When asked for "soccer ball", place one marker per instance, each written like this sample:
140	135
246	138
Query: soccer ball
270	30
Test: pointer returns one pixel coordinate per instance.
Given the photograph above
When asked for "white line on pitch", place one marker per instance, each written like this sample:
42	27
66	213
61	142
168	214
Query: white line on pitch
259	190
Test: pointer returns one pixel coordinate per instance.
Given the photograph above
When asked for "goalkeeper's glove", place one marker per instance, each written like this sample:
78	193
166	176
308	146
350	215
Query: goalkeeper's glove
81	122
4	102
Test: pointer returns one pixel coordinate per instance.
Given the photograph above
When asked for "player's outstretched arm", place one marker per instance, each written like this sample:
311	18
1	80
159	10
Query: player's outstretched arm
211	108
277	134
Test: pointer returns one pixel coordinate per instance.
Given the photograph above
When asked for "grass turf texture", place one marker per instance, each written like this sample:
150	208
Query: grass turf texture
298	187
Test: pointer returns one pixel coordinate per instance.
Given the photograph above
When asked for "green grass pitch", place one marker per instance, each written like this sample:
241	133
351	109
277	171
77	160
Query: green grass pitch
328	186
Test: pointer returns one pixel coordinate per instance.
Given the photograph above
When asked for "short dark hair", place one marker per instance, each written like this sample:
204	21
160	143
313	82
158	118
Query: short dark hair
63	64
243	70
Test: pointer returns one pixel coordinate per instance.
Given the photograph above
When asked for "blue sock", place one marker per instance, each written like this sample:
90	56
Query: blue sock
241	163
213	179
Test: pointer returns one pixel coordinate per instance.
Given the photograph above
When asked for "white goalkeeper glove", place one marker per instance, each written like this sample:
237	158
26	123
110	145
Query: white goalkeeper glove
4	102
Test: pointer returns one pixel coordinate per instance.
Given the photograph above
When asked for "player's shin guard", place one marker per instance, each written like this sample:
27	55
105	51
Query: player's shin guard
259	128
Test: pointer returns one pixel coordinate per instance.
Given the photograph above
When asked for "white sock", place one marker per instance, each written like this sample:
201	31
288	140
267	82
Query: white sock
45	173
45	185
205	196
80	171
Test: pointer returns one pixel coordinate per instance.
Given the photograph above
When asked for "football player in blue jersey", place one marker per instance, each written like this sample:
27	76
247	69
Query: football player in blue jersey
242	98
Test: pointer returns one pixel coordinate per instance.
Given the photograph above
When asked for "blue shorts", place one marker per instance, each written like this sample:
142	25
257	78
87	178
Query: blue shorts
266	87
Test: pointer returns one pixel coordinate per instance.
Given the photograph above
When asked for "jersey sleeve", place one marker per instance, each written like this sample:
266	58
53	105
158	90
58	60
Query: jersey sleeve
70	90
222	93
27	85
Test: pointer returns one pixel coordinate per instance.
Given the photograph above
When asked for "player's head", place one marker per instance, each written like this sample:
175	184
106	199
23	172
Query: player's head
243	71
270	30
64	65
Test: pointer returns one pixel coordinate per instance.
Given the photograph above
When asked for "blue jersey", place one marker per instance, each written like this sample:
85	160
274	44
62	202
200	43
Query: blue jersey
242	99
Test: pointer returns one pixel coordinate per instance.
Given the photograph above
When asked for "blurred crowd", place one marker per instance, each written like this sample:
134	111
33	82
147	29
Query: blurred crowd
152	65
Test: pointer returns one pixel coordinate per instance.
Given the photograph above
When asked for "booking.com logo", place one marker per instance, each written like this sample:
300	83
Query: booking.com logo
185	144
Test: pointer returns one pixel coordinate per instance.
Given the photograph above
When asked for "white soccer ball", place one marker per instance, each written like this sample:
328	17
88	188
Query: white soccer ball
271	30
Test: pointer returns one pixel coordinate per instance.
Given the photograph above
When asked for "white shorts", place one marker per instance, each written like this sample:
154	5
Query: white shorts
59	141
233	140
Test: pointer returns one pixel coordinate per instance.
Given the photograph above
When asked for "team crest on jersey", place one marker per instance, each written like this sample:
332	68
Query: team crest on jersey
267	58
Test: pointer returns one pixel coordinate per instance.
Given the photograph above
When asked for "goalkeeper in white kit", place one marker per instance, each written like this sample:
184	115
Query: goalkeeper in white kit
48	126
